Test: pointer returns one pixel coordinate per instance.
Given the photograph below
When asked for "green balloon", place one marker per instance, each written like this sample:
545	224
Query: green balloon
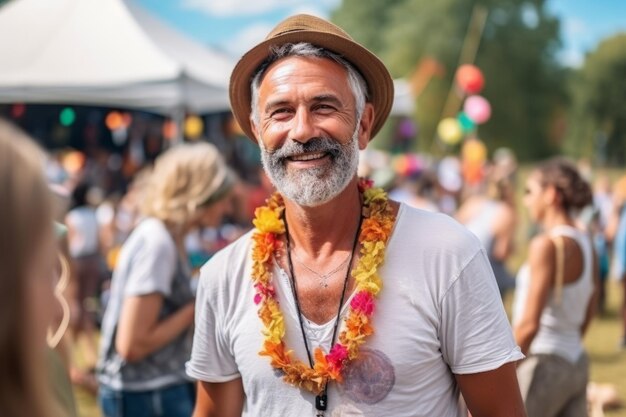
67	116
467	124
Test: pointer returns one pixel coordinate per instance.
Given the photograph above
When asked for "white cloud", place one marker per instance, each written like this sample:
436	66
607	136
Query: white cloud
577	39
573	58
573	26
327	4
236	7
530	16
224	8
247	38
310	9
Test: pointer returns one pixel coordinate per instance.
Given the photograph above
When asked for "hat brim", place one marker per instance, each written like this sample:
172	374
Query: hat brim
378	79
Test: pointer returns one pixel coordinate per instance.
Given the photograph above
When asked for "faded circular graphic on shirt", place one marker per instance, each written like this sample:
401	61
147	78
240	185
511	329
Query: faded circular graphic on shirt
369	378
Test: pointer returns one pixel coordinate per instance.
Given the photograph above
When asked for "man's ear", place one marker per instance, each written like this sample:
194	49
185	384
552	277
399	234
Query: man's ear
365	125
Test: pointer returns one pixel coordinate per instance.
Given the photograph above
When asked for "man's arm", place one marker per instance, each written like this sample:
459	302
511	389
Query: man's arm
224	399
493	393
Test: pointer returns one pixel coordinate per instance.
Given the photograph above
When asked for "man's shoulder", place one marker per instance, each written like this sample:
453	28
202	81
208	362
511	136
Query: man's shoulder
432	229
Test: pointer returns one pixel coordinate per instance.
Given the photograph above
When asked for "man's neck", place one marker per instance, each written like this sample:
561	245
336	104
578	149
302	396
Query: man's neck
320	231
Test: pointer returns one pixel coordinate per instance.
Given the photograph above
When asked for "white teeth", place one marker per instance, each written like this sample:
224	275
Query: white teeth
307	157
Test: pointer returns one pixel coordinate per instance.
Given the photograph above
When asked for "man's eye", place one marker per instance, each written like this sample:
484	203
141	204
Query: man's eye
324	107
280	112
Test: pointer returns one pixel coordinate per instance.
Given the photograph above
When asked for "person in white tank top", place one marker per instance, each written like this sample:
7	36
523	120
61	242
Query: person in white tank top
555	296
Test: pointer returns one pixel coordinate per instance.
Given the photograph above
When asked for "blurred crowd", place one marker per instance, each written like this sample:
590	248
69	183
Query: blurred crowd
151	237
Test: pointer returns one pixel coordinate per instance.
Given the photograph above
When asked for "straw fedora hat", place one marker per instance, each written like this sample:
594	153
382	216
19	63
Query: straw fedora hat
321	33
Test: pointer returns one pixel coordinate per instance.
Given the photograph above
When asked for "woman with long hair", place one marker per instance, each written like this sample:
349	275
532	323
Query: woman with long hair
27	275
146	327
554	300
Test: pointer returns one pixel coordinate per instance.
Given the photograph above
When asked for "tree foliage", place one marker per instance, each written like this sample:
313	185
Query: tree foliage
525	85
597	122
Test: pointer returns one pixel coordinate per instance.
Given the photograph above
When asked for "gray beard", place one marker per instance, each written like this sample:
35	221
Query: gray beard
315	186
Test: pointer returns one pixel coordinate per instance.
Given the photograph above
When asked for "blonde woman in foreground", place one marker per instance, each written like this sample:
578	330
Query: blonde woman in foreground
146	328
27	275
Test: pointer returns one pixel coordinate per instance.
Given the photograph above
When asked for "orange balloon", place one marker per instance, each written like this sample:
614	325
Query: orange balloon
170	130
73	161
474	150
114	120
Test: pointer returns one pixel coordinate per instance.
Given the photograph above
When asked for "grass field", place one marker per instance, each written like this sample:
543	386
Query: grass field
608	362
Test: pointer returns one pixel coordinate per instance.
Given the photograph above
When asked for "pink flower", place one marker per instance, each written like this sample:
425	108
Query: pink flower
263	292
365	184
363	302
338	354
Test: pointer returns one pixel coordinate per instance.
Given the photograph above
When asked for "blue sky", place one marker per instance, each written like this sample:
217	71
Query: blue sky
235	25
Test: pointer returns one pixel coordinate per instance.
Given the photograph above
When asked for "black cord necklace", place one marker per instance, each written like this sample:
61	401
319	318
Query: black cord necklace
321	400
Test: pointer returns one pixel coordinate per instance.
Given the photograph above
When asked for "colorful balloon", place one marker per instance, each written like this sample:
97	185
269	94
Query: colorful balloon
407	164
470	79
477	109
114	120
194	127
474	156
450	131
170	130
467	124
474	150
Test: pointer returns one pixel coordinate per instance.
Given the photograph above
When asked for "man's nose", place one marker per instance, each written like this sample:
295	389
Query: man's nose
303	127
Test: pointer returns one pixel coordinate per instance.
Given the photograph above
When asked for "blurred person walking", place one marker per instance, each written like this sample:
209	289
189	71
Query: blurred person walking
27	266
83	239
615	233
490	215
146	329
555	297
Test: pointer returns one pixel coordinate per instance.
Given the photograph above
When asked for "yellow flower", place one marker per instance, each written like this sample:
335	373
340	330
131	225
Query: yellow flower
267	220
374	194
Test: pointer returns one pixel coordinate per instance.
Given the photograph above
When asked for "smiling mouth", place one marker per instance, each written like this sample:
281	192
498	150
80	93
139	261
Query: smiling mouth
308	157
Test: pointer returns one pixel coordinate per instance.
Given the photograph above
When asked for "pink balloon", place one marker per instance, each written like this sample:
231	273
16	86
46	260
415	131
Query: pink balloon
477	108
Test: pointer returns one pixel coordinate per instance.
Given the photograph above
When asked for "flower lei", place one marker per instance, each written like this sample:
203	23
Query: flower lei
375	230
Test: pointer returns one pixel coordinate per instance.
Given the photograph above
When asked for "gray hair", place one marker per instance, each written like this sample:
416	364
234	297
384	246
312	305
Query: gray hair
355	79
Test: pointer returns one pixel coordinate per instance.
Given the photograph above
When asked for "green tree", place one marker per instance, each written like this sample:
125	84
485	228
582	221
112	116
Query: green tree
597	124
524	83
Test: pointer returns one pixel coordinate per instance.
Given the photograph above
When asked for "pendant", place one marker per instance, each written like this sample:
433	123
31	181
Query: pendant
320	404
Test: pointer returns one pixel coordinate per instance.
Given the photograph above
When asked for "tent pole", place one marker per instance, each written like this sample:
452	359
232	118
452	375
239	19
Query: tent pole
178	117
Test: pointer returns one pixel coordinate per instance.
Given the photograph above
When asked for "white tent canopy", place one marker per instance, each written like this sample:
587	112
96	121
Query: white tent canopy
105	52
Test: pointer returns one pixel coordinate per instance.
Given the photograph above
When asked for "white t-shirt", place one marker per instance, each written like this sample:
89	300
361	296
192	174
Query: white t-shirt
439	313
84	224
148	264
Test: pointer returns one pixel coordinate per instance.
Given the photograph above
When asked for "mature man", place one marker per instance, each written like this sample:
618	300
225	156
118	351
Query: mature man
341	302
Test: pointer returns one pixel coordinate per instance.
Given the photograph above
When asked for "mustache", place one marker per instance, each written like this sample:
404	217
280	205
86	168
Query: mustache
314	145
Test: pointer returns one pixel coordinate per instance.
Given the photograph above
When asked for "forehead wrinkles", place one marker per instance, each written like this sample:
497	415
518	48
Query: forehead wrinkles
305	76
